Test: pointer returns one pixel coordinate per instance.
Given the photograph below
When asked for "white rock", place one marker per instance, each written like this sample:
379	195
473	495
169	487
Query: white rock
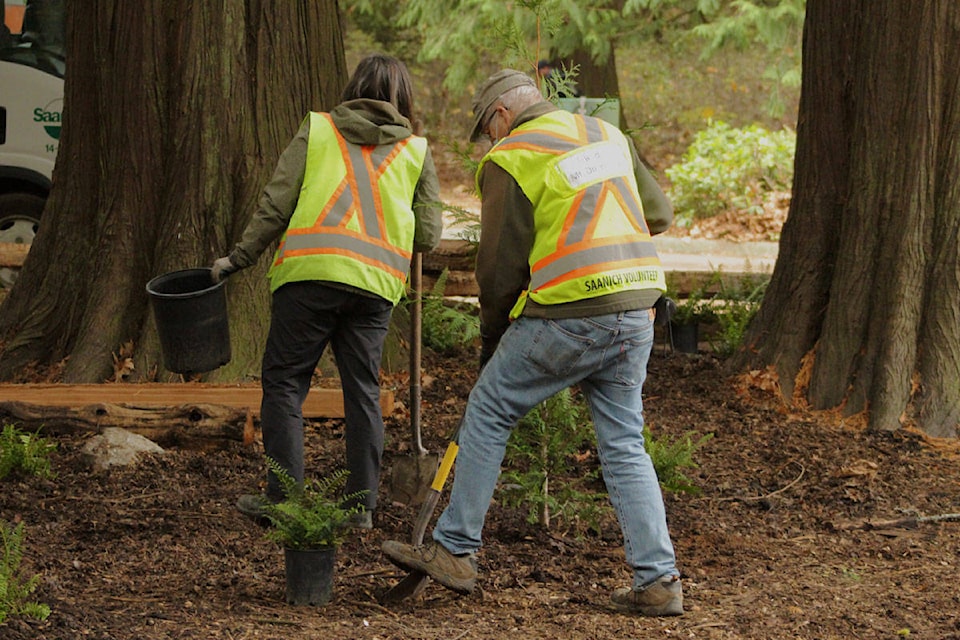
115	446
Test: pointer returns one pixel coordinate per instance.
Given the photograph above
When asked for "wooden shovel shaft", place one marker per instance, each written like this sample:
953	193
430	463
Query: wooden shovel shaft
416	336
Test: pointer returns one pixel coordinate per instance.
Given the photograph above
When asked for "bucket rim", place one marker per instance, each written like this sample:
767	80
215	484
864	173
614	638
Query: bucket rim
172	275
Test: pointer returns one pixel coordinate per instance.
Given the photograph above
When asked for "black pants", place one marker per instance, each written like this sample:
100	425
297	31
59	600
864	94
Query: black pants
306	317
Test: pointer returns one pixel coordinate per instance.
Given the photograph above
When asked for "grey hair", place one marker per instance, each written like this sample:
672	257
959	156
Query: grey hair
519	98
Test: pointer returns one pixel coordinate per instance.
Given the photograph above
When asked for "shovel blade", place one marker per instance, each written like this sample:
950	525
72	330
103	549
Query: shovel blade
411	477
411	586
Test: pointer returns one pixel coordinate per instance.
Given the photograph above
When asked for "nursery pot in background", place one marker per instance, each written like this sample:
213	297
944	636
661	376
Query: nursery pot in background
191	315
309	574
685	337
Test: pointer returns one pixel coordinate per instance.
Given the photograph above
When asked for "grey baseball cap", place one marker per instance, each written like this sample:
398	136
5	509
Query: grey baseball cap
494	87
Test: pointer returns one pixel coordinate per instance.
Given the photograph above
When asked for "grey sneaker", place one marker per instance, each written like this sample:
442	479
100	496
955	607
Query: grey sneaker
662	598
255	507
454	572
361	520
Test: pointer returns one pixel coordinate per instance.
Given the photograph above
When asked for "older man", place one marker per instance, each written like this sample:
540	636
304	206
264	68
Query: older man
568	278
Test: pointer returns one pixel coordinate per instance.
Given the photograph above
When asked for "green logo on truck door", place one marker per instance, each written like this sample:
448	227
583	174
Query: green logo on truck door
49	117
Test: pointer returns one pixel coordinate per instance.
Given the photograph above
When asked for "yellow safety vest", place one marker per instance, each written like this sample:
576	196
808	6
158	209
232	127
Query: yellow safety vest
591	238
354	221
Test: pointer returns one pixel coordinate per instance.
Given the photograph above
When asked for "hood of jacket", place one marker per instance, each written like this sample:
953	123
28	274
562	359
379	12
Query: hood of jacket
370	122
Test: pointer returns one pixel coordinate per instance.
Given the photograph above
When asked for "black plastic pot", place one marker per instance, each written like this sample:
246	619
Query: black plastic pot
309	574
685	337
191	315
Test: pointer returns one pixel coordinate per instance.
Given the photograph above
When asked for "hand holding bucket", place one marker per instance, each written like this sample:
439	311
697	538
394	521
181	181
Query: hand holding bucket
190	310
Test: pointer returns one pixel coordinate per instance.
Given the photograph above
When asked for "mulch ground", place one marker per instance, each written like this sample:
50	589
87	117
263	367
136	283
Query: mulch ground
806	526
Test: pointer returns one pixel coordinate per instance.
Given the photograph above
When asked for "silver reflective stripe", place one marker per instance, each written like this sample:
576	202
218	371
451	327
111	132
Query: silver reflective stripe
340	207
364	181
590	201
594	255
314	241
381	153
544	142
594	132
588	205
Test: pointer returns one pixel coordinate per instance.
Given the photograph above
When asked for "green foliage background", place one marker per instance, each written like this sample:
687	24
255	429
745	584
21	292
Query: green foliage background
680	63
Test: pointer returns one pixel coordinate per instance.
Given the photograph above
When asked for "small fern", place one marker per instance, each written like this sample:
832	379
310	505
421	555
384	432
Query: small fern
670	456
25	453
313	515
14	590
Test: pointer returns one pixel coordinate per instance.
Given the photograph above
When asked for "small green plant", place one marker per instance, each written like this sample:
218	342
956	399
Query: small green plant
728	169
671	456
738	306
448	329
313	515
25	453
14	589
696	306
543	448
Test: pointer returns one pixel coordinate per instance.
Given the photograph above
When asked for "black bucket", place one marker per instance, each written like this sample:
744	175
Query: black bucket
191	315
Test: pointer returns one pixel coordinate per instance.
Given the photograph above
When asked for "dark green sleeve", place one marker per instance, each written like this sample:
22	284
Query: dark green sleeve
277	204
657	209
427	209
506	239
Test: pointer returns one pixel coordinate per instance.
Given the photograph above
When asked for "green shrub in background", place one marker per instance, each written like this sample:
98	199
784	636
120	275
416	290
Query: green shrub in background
24	452
14	589
728	169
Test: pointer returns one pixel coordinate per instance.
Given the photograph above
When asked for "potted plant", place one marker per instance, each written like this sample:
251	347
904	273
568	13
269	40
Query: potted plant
310	524
687	313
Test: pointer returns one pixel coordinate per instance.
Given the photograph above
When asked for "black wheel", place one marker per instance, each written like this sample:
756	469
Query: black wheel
19	219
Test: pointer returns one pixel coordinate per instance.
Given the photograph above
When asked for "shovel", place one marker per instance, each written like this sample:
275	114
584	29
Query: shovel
410	476
414	582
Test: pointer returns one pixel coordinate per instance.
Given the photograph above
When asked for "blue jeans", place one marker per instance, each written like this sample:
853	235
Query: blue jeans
607	356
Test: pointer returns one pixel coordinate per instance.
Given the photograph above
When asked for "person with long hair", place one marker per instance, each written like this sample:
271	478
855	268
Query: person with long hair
354	194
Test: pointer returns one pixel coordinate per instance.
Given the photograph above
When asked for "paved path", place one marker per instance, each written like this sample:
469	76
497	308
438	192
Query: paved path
686	254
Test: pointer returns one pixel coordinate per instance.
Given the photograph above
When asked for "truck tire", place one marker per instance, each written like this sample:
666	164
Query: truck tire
19	218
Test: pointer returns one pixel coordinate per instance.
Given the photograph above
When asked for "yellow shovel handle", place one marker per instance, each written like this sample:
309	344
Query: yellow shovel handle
445	465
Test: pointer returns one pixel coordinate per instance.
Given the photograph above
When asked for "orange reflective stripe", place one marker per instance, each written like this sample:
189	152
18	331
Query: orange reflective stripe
339	241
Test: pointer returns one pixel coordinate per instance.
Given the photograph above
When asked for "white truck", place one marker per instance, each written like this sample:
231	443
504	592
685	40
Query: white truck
32	39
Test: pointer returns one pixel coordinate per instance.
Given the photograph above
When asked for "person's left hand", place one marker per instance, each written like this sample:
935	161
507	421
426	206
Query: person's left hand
222	267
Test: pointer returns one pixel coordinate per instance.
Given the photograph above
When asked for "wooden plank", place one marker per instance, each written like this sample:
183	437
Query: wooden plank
320	403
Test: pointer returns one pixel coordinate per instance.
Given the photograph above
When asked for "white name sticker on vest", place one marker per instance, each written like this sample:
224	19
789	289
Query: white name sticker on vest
594	163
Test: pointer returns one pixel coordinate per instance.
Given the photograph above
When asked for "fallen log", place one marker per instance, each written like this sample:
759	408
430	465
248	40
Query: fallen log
192	415
201	426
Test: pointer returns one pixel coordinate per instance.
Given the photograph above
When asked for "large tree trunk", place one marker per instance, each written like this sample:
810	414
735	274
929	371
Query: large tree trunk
175	114
863	310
